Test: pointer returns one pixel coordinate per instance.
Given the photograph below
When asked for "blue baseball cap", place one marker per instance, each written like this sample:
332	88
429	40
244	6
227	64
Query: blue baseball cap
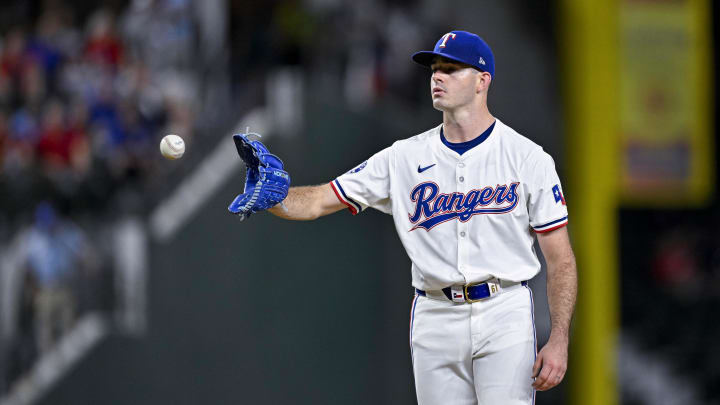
460	46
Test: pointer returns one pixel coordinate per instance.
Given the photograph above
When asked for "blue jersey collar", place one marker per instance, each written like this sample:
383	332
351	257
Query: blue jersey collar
463	147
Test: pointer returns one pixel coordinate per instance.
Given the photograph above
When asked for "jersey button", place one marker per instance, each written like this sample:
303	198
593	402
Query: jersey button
462	234
461	179
461	164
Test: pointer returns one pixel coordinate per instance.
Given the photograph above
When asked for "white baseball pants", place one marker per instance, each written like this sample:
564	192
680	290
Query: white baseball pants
475	354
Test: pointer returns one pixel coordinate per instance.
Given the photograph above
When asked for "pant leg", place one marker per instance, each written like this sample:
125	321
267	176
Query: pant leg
442	352
504	344
504	377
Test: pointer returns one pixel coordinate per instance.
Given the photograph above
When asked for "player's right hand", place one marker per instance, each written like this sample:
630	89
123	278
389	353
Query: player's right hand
266	182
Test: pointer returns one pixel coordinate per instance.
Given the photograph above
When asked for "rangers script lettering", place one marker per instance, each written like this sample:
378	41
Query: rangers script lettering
439	208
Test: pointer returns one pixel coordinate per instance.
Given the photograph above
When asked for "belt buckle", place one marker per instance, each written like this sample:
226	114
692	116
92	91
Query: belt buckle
467	295
493	289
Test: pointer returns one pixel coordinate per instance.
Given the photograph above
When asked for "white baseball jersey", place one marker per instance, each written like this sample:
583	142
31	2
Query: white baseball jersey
462	218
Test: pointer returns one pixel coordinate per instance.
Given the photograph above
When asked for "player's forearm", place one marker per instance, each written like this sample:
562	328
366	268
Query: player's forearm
562	293
301	204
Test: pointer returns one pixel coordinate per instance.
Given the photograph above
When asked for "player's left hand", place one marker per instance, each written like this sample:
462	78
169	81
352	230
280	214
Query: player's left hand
551	364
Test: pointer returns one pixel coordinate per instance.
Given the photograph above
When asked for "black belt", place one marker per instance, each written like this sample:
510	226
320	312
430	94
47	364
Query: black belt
471	293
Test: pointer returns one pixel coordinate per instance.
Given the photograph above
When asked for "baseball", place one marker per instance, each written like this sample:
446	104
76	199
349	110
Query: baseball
172	147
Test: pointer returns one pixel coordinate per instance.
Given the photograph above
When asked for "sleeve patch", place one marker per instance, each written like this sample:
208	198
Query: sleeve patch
559	198
358	168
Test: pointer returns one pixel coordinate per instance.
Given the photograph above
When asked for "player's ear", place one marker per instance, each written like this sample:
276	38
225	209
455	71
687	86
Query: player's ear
488	78
483	81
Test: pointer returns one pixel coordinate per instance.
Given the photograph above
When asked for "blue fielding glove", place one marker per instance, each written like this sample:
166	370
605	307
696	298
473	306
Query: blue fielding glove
266	183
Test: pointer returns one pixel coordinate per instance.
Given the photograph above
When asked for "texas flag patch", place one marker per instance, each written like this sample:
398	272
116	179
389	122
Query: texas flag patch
558	194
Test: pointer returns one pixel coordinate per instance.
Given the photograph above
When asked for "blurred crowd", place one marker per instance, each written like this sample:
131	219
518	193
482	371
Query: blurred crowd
356	52
85	96
82	103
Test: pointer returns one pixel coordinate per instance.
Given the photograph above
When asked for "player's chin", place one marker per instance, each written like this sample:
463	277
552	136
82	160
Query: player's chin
439	104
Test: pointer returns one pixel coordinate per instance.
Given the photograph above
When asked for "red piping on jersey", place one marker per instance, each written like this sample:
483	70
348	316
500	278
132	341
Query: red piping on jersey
350	207
552	229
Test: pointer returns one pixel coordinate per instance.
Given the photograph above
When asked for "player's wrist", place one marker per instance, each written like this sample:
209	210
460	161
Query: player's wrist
559	336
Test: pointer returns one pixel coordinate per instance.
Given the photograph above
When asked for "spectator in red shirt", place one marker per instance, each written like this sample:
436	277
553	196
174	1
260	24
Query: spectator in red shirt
103	46
55	144
13	54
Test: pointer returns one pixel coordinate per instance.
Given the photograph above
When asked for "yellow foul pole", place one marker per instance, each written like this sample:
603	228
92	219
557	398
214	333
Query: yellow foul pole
589	52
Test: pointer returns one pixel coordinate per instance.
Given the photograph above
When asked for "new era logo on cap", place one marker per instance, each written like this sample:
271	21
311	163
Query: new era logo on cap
460	46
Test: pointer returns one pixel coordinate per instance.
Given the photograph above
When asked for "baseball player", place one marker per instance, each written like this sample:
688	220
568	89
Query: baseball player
468	199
